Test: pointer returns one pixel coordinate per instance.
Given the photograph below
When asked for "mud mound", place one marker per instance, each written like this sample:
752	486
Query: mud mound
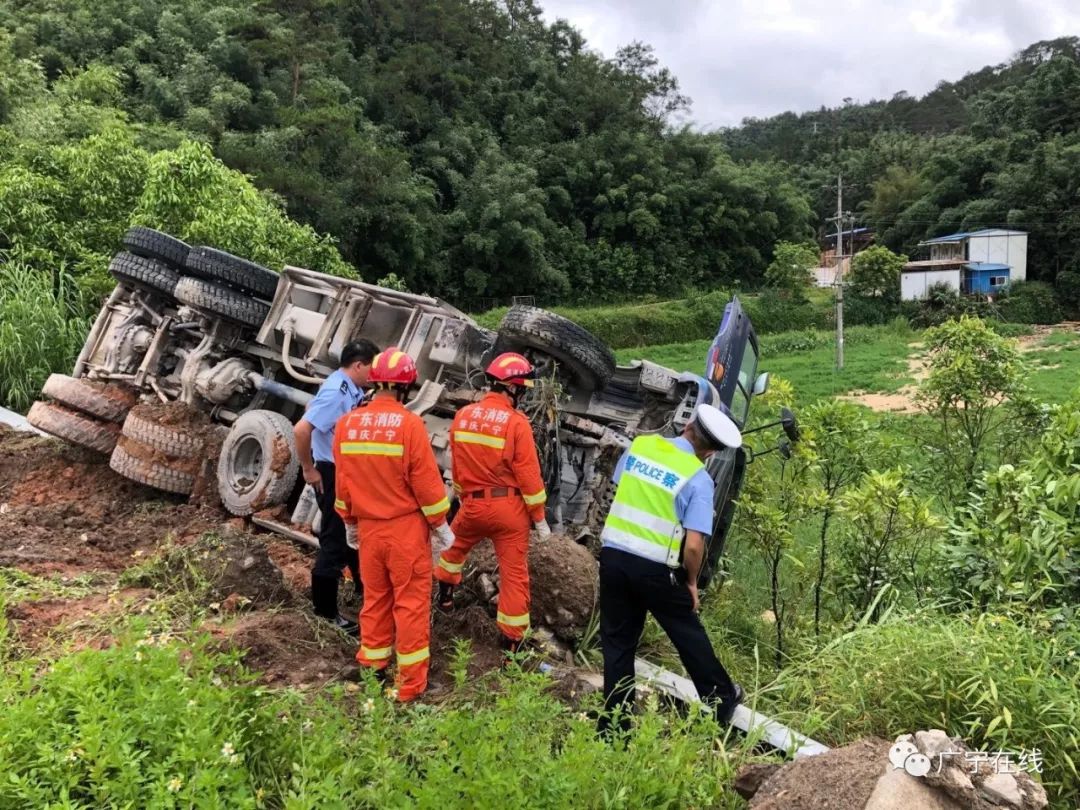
234	567
63	510
841	779
289	649
563	578
926	770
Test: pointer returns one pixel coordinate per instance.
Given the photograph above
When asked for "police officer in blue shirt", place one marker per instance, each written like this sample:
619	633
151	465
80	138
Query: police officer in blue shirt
653	548
314	434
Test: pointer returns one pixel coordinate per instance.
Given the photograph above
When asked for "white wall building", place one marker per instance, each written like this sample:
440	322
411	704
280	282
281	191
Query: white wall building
973	263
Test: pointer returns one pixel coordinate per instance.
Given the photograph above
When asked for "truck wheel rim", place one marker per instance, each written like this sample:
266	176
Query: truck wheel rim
247	464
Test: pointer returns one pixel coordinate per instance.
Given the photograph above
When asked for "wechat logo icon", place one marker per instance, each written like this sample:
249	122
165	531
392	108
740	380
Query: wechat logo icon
905	755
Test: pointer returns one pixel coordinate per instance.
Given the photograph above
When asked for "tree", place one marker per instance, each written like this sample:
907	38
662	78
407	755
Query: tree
885	537
876	272
789	270
973	388
846	446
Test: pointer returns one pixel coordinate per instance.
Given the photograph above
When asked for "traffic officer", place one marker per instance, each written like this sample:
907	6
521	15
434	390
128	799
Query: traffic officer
497	476
314	435
390	488
653	546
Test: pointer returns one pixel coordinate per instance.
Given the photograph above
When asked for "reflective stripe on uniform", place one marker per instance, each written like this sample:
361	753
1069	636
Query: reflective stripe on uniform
466	437
435	508
376	653
512	621
404	659
534	499
371	449
617	538
338	503
652	523
453	568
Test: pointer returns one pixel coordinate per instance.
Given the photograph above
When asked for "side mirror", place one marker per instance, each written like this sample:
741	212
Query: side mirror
761	384
790	424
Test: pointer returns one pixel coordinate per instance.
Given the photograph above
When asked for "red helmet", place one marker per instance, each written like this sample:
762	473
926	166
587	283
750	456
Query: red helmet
392	366
511	368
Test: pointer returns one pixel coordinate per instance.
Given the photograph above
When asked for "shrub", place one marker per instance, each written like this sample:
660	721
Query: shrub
876	272
1018	541
157	725
789	270
1029	302
862	310
40	331
1067	286
1001	685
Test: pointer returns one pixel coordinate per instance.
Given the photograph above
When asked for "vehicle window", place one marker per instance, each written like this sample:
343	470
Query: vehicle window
748	367
740	398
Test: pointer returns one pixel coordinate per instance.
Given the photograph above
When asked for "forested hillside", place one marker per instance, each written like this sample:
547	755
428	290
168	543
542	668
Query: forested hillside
467	147
476	152
999	147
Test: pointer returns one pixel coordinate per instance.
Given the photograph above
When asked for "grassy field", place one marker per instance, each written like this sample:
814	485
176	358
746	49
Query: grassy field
875	359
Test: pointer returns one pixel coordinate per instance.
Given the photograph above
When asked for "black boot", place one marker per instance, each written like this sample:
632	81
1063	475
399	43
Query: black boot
445	600
324	592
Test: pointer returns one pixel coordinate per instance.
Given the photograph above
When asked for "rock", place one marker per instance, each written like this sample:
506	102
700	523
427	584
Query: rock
752	776
897	790
1002	789
934	742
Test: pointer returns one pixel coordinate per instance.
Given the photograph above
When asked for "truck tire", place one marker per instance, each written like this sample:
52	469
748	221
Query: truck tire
146	274
151	473
257	467
105	401
217	265
73	426
221	301
151	244
172	441
587	358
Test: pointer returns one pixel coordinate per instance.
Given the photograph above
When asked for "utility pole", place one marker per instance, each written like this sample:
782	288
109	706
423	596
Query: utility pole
839	273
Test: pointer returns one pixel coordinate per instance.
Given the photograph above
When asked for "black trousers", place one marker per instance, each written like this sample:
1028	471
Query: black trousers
334	552
631	587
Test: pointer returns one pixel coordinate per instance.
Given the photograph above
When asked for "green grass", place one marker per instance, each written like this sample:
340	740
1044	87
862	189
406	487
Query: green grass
1054	366
875	359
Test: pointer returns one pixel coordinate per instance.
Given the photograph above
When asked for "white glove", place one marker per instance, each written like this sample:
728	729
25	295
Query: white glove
352	536
442	538
543	531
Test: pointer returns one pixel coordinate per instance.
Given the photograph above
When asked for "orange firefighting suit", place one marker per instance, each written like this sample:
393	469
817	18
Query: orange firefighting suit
389	483
497	475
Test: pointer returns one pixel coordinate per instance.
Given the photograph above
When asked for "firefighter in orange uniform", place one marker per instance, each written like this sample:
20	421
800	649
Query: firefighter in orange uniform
497	476
392	496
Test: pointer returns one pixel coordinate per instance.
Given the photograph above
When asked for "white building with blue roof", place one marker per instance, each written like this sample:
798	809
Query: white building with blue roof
973	263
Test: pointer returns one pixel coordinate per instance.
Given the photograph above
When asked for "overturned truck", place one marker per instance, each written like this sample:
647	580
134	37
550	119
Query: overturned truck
199	362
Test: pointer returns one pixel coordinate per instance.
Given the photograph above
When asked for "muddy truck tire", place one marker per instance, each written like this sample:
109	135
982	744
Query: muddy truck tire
258	467
101	400
219	266
151	473
146	274
176	442
73	426
573	346
221	301
151	244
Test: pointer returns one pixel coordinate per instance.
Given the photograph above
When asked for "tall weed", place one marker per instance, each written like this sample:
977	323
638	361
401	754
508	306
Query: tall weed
1001	685
41	331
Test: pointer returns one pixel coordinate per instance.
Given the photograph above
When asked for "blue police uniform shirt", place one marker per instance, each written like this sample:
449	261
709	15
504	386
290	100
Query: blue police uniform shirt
694	503
337	396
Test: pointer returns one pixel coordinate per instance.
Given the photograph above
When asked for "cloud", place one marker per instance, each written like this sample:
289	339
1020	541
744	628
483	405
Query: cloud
743	58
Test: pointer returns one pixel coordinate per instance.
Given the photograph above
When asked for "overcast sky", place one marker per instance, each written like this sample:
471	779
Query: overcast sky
740	58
